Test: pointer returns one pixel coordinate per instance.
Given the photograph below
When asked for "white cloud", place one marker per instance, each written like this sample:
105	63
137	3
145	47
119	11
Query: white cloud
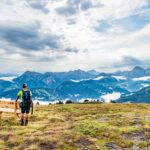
120	77
147	78
8	78
109	97
82	42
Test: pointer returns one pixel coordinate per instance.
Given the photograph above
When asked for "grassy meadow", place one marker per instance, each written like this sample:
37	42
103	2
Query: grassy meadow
80	127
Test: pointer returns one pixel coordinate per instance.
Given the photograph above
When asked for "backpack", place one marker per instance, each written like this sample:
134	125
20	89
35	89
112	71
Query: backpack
26	97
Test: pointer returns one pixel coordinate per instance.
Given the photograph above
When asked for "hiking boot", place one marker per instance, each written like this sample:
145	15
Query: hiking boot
21	122
26	122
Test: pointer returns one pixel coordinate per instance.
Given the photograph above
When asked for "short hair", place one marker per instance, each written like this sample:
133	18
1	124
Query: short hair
24	85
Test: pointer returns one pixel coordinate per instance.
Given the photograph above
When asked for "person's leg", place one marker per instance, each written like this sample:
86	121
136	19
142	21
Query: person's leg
26	119
27	112
22	115
22	119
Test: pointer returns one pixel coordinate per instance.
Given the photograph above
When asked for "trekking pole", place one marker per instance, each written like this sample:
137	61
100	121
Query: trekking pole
15	112
32	109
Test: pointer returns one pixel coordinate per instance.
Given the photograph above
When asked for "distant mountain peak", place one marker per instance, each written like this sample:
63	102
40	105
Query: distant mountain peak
104	74
31	72
78	70
138	68
94	72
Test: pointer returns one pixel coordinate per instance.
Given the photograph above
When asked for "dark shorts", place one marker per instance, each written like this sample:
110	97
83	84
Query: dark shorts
25	108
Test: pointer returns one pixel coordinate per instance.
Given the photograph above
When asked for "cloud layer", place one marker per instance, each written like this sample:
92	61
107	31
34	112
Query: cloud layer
65	35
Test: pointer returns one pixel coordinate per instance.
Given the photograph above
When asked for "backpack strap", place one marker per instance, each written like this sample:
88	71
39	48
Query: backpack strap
22	97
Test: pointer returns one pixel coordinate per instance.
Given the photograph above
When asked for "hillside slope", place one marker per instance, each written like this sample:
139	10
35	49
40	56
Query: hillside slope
80	127
142	96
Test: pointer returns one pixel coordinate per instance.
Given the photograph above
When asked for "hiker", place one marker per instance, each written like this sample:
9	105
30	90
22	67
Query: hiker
25	96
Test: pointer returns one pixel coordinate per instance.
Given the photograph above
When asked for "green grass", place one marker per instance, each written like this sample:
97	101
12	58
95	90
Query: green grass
91	127
78	126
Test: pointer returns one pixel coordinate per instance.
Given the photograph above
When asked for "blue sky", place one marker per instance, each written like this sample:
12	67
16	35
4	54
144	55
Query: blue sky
62	35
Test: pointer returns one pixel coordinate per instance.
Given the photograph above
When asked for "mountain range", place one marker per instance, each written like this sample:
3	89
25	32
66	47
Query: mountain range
77	85
142	96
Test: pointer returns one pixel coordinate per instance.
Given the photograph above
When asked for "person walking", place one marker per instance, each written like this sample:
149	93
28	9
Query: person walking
25	95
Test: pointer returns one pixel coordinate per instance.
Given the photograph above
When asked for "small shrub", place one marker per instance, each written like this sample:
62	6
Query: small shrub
86	101
69	102
37	103
60	102
112	101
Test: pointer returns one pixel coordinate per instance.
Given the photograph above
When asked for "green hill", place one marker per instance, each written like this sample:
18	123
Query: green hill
142	96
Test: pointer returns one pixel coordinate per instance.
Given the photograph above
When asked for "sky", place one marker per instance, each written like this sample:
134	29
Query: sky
63	35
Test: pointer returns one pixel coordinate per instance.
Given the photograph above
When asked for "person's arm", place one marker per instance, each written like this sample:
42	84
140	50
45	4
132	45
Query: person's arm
18	96
31	105
31	102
